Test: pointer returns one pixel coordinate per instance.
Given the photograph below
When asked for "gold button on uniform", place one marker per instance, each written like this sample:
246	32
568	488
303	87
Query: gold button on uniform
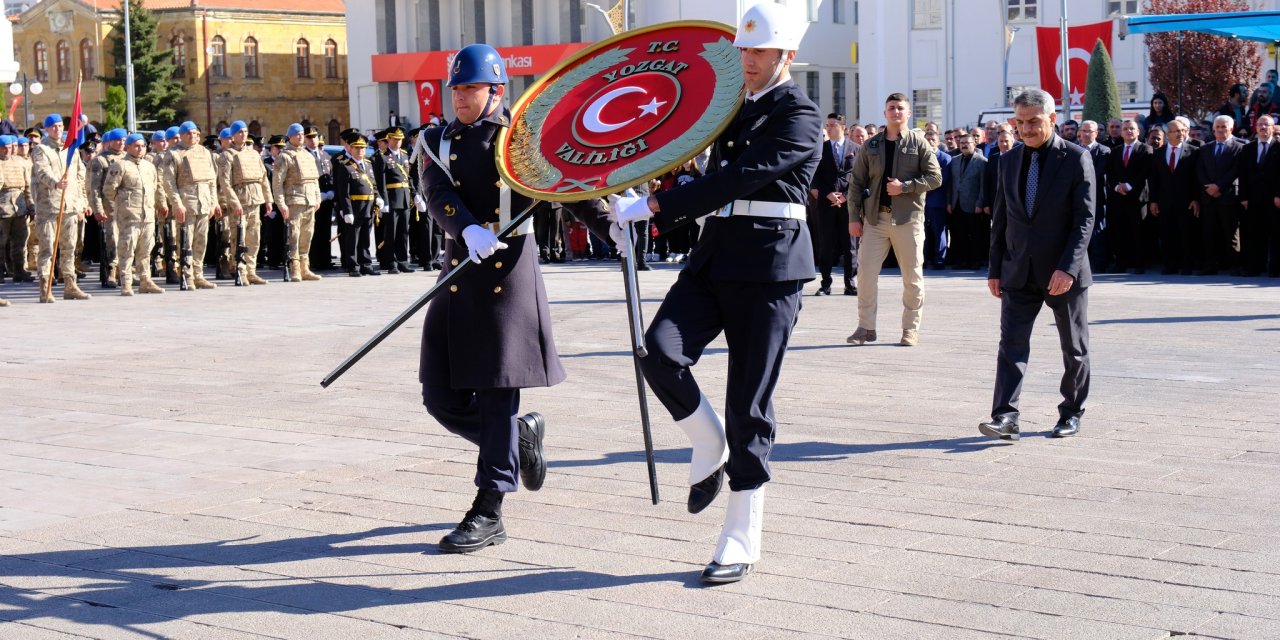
498	210
454	262
497	289
498	184
730	143
457	183
497	265
453	288
458	137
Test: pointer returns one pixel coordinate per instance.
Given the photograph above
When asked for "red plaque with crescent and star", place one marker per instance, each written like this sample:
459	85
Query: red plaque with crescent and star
623	111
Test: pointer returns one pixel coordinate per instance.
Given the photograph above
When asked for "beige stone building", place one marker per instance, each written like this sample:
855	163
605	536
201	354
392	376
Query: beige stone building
267	62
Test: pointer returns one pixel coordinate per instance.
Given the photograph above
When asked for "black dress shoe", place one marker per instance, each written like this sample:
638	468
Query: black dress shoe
717	573
1001	427
406	267
824	291
354	273
851	291
1066	428
481	527
643	266
393	269
533	466
370	271
702	494
110	284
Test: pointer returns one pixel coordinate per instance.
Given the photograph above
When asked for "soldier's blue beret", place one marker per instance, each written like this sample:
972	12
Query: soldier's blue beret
238	126
225	133
6	140
188	127
133	137
293	130
171	133
159	135
51	120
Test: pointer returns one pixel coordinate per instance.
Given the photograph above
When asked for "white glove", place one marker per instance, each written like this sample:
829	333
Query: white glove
381	204
420	203
272	213
481	242
349	218
328	195
618	234
629	208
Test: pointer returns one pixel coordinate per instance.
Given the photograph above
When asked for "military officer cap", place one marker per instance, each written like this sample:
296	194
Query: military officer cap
396	132
91	139
225	134
237	127
52	120
381	135
132	138
188	127
32	132
312	132
293	130
354	138
210	141
256	140
158	136
276	140
171	133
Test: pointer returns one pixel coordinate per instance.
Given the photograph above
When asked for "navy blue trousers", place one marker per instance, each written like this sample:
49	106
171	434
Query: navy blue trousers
1018	311
757	319
487	419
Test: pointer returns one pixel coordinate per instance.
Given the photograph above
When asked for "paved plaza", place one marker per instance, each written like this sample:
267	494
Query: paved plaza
171	468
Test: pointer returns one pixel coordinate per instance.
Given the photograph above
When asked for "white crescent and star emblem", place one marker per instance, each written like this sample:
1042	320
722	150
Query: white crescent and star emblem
591	117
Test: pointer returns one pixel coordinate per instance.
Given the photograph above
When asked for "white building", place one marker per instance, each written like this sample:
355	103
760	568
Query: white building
947	55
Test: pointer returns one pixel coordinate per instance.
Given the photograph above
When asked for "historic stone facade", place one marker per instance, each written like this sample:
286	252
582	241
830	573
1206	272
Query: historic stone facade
266	62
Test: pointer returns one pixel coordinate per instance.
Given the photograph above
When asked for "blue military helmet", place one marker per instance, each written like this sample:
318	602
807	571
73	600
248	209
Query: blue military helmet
477	64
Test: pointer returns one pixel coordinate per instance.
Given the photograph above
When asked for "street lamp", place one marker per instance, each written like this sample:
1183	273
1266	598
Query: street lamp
18	88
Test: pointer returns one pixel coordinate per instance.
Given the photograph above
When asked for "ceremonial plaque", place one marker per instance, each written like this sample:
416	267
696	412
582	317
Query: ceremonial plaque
622	111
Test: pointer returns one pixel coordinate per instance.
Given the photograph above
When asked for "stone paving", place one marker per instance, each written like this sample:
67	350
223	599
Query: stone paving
171	468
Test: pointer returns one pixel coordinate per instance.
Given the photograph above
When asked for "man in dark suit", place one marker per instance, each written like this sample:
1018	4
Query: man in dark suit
968	229
1216	173
1259	169
1099	251
1041	224
832	240
1173	199
1127	171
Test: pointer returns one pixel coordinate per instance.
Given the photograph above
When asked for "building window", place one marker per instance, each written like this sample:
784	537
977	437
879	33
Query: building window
1022	11
218	57
811	10
1013	91
330	59
811	81
255	128
837	92
42	62
64	61
837	11
302	58
179	47
1128	91
857	97
1124	7
926	14
926	105
855	11
335	128
86	58
251	57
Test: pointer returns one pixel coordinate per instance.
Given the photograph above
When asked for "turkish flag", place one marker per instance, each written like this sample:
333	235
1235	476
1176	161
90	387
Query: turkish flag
1080	41
428	99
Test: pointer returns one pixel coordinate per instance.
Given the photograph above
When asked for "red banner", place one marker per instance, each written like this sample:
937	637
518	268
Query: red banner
1080	41
428	99
434	65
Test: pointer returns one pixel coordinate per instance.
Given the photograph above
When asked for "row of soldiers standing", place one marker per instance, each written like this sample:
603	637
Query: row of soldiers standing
155	205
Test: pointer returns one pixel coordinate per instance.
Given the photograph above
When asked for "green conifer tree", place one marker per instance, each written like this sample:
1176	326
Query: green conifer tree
1102	96
156	93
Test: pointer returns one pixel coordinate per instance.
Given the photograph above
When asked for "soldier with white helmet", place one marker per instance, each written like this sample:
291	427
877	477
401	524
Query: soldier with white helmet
744	279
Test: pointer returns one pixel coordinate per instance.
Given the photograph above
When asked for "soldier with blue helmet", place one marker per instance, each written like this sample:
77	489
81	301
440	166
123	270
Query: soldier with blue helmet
192	191
743	279
490	335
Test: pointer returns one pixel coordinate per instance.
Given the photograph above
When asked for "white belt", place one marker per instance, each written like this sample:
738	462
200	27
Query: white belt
763	209
504	218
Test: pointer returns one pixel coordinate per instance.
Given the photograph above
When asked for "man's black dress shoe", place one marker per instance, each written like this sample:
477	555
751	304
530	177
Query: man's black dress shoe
717	573
1001	427
824	291
354	273
369	271
1066	428
702	494
406	267
533	466
393	269
481	527
851	291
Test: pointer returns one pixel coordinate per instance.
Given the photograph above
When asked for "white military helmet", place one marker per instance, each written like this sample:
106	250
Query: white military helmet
769	25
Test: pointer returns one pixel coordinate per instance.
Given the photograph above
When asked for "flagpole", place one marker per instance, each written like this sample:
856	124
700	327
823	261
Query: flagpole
131	119
1066	67
62	205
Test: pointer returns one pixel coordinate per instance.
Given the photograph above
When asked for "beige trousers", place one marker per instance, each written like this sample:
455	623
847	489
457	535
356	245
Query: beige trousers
197	226
907	242
302	225
46	228
133	247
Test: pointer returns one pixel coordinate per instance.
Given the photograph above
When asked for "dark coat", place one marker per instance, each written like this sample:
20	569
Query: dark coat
1174	191
1101	155
1056	236
389	169
770	152
832	175
966	182
1135	174
1259	181
1220	168
350	180
937	198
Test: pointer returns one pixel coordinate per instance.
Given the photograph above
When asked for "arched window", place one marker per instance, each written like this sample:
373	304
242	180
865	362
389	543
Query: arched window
330	58
86	58
255	128
306	124
42	61
218	57
302	56
335	128
179	46
251	57
64	61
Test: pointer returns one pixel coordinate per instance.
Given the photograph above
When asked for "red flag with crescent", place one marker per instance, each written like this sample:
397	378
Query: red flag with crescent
428	99
1080	41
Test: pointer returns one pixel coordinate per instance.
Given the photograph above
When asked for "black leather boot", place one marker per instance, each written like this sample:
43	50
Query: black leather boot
533	466
481	527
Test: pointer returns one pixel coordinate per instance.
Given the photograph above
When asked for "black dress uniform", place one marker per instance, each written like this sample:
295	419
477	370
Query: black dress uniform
322	247
392	171
745	276
272	252
354	194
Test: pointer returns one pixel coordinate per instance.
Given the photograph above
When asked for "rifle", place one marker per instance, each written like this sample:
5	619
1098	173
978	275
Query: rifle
185	239
220	248
169	250
241	265
104	261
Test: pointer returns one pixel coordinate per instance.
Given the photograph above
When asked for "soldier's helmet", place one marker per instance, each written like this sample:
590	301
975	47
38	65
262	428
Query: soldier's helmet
477	64
769	25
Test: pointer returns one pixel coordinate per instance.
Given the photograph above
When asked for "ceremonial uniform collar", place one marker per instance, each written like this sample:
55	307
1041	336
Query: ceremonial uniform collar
753	97
500	117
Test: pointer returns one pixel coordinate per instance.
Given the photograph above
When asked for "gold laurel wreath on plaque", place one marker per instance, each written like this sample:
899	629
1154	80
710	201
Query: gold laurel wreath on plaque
522	141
